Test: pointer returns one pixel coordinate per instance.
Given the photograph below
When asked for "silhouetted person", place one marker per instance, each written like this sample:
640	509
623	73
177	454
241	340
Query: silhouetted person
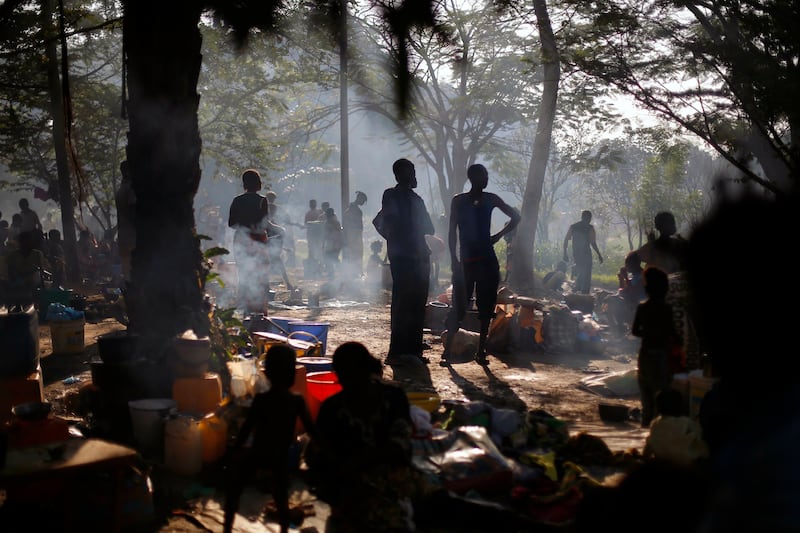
353	227
476	269
438	249
314	231
673	435
280	216
750	419
248	216
554	279
622	306
25	266
360	462
584	239
654	325
667	251
332	242
404	221
272	421
55	256
30	223
125	201
276	237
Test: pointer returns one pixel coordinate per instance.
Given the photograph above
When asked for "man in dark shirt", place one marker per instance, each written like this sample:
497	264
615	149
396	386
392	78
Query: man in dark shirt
404	221
248	217
584	240
353	227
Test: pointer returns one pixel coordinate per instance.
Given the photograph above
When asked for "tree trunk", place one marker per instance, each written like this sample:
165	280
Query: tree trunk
60	144
521	275
162	45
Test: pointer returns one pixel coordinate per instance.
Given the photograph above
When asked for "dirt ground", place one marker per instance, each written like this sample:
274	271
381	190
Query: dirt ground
518	380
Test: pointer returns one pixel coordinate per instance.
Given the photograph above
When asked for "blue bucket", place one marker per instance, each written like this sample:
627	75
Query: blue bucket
319	330
282	322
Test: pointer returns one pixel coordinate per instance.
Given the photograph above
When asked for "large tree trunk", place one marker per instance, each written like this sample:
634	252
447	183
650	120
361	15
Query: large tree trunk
162	45
521	275
60	143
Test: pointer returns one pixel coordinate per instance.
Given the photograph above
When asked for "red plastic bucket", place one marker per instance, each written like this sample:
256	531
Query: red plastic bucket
319	386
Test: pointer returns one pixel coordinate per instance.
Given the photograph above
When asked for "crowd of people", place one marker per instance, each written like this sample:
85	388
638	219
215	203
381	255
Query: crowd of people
32	258
731	468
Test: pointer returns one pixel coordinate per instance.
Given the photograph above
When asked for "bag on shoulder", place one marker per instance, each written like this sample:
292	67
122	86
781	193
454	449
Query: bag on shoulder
380	224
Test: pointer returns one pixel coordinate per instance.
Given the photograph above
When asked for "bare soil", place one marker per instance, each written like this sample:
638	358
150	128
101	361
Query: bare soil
517	380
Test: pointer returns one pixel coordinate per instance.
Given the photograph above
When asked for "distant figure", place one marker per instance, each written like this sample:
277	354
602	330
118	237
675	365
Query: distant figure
314	230
654	325
621	306
375	264
25	266
332	242
276	237
125	201
280	217
404	221
554	279
272	420
30	222
673	435
14	230
667	251
583	239
476	269
3	231
438	248
360	462
353	227
3	236
248	216
87	255
54	253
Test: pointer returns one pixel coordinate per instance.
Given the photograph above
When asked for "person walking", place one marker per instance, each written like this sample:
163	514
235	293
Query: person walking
248	216
583	239
353	227
476	269
403	221
271	421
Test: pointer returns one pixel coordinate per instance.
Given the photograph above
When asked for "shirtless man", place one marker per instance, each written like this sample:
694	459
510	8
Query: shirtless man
475	266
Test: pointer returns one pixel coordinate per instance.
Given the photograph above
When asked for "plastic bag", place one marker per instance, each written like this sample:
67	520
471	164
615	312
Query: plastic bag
470	462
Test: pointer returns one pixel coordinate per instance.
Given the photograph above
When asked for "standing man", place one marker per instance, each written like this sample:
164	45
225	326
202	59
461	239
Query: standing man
404	221
125	200
584	240
475	266
313	238
30	223
248	216
353	226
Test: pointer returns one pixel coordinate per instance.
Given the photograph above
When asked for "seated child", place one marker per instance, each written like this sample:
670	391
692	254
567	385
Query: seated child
673	435
554	279
375	263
